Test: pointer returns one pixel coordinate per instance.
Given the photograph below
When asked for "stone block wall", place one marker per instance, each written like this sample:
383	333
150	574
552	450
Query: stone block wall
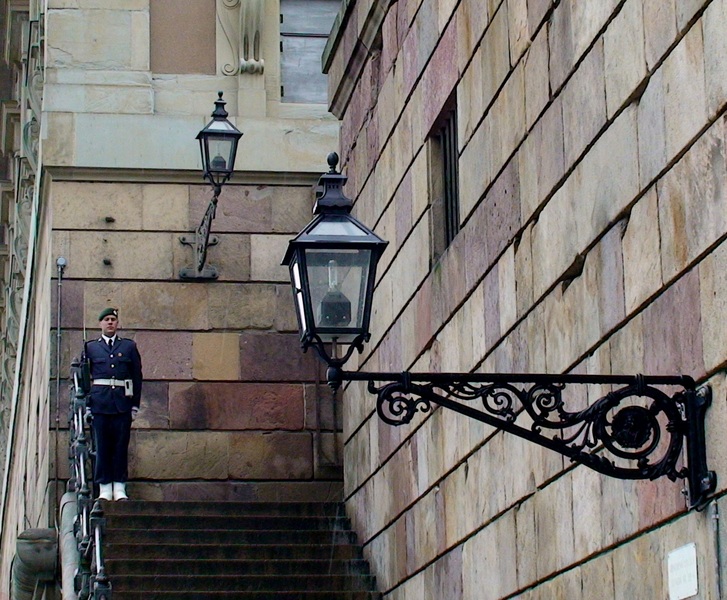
231	408
592	170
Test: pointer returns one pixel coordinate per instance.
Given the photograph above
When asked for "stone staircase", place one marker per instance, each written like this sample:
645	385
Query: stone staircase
246	550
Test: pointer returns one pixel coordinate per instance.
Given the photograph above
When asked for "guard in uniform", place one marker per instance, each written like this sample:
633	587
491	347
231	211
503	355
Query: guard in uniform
114	400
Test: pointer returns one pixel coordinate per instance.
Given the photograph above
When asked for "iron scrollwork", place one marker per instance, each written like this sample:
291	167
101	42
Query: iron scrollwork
635	431
201	241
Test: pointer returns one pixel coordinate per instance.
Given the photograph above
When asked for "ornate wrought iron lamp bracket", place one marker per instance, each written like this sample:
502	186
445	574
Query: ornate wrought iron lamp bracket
635	431
200	242
218	149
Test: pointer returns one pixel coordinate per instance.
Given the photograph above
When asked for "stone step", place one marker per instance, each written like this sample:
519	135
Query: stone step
196	566
227	522
246	550
224	536
239	595
202	551
249	583
300	509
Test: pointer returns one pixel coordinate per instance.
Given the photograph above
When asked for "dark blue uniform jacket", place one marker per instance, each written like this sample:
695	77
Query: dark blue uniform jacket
122	362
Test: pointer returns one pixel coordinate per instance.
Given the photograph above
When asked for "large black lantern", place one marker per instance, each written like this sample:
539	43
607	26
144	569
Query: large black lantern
332	266
218	145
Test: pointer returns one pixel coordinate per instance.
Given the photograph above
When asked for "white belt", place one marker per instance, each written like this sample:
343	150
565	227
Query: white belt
111	382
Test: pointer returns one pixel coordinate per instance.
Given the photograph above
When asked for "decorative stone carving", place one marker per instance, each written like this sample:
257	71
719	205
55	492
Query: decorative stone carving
242	25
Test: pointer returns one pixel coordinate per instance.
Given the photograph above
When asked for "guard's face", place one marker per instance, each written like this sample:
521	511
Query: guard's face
109	324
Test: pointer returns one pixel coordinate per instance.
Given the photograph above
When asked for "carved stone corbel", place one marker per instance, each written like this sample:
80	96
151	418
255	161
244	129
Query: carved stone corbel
242	25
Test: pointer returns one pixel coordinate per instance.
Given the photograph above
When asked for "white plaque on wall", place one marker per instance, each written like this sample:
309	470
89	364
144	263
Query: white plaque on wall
682	570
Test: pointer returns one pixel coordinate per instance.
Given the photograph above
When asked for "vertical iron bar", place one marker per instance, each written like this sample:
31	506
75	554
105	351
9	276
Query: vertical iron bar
702	481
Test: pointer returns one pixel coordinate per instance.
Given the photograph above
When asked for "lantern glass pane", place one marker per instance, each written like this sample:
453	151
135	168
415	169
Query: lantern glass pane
337	280
337	226
220	154
298	293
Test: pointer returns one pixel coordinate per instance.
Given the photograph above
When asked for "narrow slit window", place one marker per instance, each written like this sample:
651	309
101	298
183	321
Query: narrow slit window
444	181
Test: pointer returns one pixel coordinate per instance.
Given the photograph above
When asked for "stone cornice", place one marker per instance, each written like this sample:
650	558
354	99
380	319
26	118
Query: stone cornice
368	30
177	176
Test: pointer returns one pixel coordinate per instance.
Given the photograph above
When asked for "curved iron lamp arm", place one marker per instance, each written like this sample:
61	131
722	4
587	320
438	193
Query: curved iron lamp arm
636	431
200	242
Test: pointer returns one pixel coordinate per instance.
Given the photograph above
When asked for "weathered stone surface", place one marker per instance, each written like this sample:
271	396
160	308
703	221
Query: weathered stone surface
502	207
266	252
165	207
537	9
672	335
491	291
235	406
507	289
625	60
554	534
271	455
179	455
584	104
587	516
61	128
614	159
692	202
410	266
470	106
587	21
489	553
604	275
149	304
684	86
285	319
524	272
661	32
98	99
103	139
638	557
154	413
641	252
713	293
597	576
537	81
292	208
686	10
165	354
100	4
517	14
275	357
321	409
240	209
216	356
562	51
71	347
71	303
120	255
627	347
495	56
715	56
242	306
553	259
97	39
652	129
541	159
86	206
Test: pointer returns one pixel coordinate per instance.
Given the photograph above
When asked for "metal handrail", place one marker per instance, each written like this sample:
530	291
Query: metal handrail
91	581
